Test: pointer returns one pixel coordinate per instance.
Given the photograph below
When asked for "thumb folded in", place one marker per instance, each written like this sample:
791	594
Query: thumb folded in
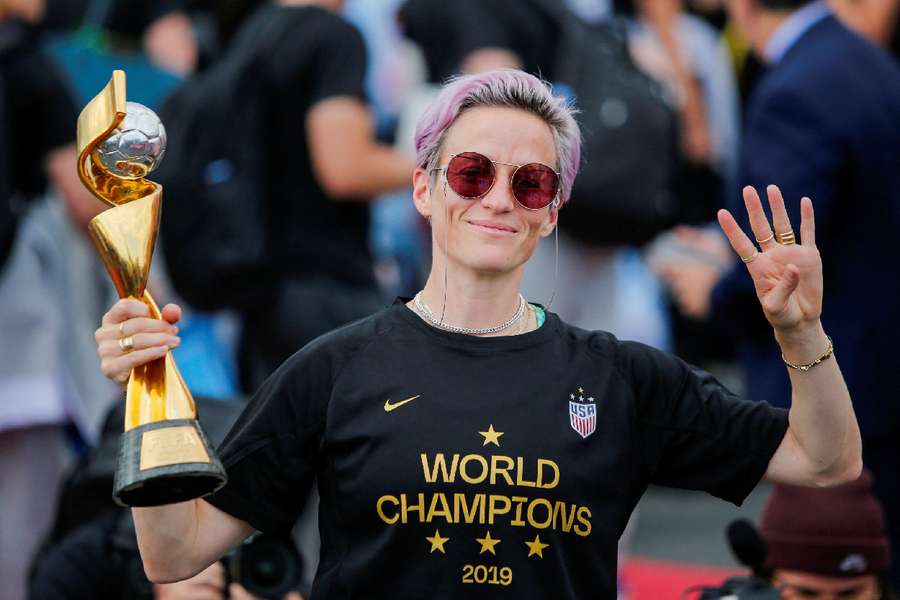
779	295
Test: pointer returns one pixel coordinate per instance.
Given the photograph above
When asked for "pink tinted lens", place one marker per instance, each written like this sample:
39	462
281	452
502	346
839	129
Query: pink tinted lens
470	174
535	185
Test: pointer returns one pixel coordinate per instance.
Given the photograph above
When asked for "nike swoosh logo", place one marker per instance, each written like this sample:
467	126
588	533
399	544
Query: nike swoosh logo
388	407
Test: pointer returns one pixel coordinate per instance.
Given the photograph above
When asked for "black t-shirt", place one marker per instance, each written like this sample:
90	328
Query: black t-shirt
323	57
451	466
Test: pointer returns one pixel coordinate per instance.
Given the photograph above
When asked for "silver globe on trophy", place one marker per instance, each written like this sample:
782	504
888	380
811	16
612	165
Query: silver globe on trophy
136	146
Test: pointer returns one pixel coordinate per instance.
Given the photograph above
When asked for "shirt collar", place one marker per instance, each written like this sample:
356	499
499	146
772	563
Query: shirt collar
792	28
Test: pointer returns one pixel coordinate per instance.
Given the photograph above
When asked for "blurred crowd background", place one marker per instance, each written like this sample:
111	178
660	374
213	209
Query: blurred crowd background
287	213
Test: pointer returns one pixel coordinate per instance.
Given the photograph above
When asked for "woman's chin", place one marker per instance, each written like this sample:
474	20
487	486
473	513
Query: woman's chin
492	261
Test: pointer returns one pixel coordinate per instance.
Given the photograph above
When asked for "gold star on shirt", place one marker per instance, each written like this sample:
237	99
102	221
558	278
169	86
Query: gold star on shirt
437	542
491	436
536	547
487	544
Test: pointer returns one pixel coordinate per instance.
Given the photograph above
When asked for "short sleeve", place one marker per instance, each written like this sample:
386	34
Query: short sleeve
272	452
694	433
339	67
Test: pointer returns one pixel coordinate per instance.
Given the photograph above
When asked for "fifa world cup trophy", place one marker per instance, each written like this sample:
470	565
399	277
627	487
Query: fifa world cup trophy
164	456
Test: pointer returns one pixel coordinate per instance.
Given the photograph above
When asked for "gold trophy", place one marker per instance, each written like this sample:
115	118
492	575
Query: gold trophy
164	457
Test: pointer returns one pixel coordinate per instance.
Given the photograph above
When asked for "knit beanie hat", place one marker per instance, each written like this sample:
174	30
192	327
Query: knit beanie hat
836	531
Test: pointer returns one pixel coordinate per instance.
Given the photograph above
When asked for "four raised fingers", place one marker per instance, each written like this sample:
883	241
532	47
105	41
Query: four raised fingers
767	236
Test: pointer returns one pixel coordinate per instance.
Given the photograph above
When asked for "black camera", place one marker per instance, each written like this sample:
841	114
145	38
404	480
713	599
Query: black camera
267	566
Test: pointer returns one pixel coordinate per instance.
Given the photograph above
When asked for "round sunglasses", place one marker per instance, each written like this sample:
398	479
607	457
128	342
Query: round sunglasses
472	175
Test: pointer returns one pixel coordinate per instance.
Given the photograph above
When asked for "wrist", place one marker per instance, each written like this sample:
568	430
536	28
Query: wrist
803	344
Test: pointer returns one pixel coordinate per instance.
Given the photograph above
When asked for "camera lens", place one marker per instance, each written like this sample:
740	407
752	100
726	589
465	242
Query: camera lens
268	567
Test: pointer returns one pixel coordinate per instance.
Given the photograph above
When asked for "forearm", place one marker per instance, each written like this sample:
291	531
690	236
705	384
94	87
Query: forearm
348	162
166	536
178	541
822	420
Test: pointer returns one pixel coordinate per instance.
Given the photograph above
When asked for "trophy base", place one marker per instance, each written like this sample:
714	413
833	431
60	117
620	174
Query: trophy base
165	462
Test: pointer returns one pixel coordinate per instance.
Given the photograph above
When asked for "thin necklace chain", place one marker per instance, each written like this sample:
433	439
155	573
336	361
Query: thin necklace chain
429	316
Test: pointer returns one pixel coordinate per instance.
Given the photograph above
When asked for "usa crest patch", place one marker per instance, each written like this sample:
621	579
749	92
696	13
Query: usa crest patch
582	414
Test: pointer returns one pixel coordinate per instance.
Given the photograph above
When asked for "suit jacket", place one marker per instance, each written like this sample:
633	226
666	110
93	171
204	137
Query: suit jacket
824	122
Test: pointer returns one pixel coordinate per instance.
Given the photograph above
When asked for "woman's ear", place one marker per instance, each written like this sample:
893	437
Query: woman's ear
422	192
551	221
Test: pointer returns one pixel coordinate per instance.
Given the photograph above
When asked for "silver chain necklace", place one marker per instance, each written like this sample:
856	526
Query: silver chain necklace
429	316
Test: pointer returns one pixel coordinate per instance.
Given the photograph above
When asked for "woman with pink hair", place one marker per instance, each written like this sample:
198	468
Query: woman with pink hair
467	442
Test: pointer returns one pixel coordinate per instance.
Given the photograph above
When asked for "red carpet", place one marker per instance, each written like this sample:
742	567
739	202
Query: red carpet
647	579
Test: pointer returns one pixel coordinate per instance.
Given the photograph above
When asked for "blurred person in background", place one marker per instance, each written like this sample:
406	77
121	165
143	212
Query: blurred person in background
827	543
51	285
822	122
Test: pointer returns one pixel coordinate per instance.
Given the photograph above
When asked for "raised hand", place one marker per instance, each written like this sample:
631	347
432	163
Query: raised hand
786	272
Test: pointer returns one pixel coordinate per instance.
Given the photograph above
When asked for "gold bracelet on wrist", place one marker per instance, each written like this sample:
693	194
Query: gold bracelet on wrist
828	352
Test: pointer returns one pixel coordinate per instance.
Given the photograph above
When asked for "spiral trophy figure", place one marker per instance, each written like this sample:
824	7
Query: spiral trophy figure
164	456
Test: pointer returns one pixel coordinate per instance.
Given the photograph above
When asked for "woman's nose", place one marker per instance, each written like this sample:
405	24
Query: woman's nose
500	197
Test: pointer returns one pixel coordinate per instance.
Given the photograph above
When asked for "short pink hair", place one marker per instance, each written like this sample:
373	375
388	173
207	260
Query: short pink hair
506	88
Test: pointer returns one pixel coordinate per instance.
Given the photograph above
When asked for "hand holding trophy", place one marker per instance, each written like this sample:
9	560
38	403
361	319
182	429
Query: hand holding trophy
164	456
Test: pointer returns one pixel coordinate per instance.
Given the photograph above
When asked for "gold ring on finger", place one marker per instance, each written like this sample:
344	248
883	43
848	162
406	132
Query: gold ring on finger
787	238
126	343
751	258
768	239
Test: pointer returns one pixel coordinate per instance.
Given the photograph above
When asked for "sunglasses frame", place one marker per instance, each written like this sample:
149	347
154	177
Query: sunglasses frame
552	204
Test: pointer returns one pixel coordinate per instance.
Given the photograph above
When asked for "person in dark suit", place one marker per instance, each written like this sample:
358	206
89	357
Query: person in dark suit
824	121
